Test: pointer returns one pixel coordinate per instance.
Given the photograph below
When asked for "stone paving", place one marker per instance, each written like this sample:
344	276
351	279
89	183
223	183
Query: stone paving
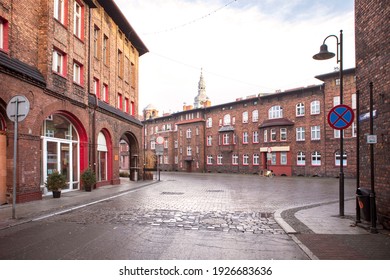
236	221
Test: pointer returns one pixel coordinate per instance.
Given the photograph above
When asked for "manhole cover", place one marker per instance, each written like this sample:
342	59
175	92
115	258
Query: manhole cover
172	193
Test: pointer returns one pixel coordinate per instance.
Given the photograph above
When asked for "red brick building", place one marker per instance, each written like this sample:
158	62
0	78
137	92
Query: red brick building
372	29
286	132
76	61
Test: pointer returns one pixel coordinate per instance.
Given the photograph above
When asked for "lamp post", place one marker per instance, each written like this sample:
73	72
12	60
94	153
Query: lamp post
323	55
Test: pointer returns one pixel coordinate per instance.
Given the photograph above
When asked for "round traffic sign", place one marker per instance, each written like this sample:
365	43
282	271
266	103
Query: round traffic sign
160	140
341	117
18	105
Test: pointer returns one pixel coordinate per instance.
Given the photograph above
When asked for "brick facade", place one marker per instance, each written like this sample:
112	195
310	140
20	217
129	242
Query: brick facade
62	73
236	137
372	29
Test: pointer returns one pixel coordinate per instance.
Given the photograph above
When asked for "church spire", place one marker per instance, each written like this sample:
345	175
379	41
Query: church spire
201	98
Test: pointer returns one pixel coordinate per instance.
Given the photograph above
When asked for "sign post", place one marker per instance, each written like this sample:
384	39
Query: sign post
341	117
17	110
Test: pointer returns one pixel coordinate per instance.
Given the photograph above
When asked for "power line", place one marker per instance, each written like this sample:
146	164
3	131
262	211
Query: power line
190	22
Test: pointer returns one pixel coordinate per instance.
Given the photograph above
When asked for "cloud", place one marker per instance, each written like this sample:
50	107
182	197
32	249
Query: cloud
245	48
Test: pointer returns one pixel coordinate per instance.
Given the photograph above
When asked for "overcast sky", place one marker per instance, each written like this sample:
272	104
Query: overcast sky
245	47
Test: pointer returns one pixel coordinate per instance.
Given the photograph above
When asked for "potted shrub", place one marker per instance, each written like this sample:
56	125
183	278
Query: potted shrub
88	179
55	182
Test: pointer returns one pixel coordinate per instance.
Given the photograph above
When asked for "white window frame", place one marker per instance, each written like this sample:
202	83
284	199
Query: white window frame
226	139
209	122
209	160
265	136
219	159
1	33
245	137
77	19
275	112
273	135
300	109
255	115
234	159
316	132
315	108
300	134
245	159
283	158
188	133
152	145
189	151
255	137
209	140
301	159
245	117
256	159
316	158
337	158
59	10
226	119
58	62
77	72
283	134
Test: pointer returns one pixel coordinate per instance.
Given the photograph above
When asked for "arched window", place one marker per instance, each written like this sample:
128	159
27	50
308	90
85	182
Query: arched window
275	112
61	150
226	119
102	157
300	109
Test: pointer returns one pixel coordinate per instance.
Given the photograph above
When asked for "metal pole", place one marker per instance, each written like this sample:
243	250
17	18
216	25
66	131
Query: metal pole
357	155
341	182
15	160
372	193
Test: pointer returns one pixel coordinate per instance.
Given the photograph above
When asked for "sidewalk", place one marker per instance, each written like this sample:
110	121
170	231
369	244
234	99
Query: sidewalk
317	229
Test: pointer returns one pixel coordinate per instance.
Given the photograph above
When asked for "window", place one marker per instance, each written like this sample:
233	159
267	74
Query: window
209	140
176	144
301	158
96	87
106	50
300	134
105	93
226	120
77	73
337	82
316	158
197	130
234	159
255	138
315	107
300	110
245	159
127	105
245	137
209	160
219	159
226	139
166	160
59	62
78	19
273	135
353	129
120	64
188	133
3	34
283	158
315	133
132	108
220	122
273	158
353	101
59	10
233	120
337	158
152	145
336	100
245	117
120	101
256	159
96	41
265	136
209	122
283	134
189	151
275	112
255	116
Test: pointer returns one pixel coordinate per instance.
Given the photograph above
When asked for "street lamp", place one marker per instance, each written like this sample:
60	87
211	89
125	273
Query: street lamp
323	55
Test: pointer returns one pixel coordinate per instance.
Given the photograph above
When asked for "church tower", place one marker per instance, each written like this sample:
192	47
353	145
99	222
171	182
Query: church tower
201	100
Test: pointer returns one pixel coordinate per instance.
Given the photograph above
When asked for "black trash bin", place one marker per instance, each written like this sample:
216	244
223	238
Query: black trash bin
363	196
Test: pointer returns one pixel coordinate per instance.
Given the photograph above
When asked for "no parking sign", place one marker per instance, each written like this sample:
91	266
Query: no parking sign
341	117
